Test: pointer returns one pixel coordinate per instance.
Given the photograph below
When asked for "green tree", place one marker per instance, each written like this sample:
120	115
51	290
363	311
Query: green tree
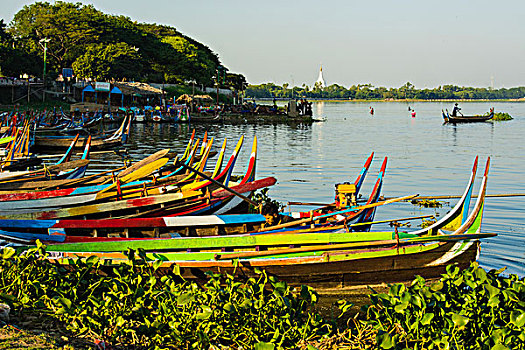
104	62
76	31
14	60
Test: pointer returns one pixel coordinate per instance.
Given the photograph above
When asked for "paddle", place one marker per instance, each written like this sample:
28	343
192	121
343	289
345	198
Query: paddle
338	227
496	195
70	183
143	162
6	139
138	173
316	218
366	244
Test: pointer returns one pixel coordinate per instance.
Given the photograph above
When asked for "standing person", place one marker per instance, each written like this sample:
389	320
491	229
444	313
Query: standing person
456	110
371	111
413	113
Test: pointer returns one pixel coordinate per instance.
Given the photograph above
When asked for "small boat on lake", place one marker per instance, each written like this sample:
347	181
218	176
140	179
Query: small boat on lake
453	119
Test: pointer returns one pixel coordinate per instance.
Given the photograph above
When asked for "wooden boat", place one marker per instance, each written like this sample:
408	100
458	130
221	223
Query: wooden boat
467	119
121	227
98	142
165	202
204	118
127	229
318	259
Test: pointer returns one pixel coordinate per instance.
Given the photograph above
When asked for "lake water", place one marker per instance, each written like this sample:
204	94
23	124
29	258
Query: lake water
424	157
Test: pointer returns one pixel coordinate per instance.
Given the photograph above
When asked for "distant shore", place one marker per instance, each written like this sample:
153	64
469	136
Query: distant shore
392	100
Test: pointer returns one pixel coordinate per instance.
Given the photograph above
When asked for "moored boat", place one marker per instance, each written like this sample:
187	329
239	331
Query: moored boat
98	142
320	257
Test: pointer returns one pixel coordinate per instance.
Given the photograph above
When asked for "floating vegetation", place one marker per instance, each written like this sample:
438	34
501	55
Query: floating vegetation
262	197
500	116
427	223
427	203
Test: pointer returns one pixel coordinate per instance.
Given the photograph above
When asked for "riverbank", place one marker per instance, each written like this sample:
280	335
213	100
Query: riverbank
49	306
247	118
397	101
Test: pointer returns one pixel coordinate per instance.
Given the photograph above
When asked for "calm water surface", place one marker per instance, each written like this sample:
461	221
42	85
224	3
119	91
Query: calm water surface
424	156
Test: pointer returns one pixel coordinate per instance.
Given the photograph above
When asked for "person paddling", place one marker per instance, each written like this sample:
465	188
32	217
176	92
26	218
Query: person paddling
413	113
456	110
371	111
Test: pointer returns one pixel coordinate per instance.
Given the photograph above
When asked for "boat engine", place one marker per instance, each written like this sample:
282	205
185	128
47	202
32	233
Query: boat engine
345	195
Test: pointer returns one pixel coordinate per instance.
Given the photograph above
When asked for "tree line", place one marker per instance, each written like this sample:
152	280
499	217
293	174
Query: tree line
105	47
369	92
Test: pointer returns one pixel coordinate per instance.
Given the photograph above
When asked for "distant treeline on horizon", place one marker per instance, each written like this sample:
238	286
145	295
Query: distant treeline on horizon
369	92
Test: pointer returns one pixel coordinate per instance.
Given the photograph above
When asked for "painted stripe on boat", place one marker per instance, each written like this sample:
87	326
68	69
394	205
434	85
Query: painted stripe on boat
207	220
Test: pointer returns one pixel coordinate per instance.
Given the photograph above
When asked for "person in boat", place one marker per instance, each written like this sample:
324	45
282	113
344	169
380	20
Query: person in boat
371	111
413	113
309	109
273	217
456	110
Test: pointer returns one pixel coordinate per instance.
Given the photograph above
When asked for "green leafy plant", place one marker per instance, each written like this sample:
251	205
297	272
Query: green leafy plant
129	305
501	116
262	197
469	309
427	203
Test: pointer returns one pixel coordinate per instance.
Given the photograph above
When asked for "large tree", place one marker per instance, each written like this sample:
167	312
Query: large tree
99	45
15	61
104	62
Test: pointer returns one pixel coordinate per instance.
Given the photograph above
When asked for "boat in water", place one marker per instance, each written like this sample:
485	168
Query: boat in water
453	119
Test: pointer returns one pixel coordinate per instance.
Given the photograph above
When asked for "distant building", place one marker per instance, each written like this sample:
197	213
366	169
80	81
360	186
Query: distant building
320	80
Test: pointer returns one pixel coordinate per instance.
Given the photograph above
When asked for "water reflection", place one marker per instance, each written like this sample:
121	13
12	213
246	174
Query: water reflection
319	109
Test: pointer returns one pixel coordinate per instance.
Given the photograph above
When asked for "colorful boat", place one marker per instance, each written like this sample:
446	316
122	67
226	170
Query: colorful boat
322	258
98	142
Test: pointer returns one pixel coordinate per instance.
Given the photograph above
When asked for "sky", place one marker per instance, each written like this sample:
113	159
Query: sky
381	42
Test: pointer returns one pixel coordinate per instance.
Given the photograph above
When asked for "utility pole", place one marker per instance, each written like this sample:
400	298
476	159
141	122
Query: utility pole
217	76
45	41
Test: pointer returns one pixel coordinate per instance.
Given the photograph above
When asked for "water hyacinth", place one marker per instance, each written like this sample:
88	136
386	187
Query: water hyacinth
470	309
130	306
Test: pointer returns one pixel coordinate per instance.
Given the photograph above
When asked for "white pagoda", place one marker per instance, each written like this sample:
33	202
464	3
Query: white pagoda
320	80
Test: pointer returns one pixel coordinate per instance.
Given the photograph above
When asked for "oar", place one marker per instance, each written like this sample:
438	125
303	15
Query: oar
391	220
312	203
77	153
143	162
338	227
366	244
316	218
204	176
6	139
473	196
138	173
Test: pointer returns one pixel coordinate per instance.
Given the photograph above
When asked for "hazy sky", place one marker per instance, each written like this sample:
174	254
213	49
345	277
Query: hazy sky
382	42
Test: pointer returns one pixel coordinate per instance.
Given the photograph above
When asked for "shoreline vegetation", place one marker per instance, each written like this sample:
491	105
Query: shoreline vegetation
367	92
89	304
116	48
398	101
